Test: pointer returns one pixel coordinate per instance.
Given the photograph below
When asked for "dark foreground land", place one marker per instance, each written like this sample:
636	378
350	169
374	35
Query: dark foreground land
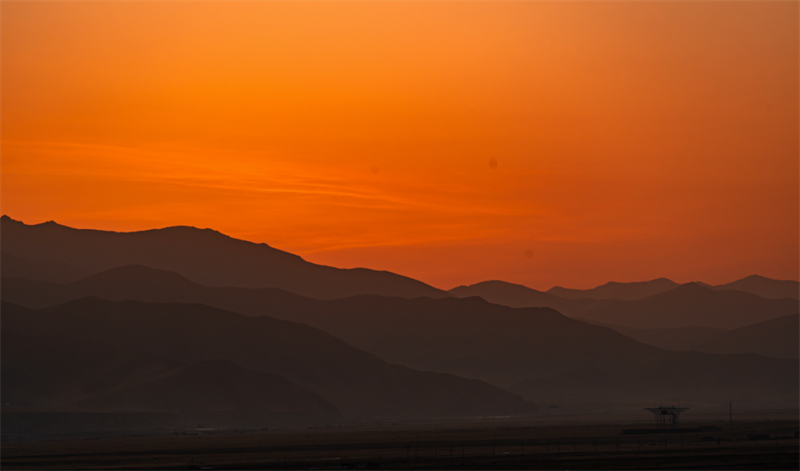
539	443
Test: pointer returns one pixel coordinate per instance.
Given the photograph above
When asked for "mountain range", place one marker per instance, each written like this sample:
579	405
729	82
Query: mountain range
176	326
691	304
468	337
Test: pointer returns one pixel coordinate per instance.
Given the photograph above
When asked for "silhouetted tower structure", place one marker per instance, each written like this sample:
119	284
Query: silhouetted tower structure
667	416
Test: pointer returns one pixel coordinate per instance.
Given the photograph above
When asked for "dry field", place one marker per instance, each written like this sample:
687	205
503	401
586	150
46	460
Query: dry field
556	442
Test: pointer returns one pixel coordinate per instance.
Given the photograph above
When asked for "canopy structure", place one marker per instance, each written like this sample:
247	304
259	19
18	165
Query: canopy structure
667	416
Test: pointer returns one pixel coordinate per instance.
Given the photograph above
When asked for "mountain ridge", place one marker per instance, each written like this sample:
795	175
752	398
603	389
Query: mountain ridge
202	255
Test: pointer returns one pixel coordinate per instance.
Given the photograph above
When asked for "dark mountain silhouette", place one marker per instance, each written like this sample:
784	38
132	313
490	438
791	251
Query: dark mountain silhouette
764	287
356	382
693	305
513	295
778	338
615	290
202	255
140	283
50	373
468	337
686	307
691	338
438	335
45	270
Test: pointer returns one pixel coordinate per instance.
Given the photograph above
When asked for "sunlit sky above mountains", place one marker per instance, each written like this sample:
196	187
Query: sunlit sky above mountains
541	143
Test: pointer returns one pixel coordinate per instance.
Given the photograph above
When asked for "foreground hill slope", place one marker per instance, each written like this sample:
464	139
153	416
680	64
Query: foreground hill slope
57	373
357	383
468	337
202	255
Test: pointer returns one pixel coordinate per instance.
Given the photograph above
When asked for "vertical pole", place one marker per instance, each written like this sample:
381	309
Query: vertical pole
730	413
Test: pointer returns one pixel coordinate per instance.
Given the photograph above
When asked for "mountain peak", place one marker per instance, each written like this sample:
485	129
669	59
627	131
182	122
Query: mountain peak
6	219
691	287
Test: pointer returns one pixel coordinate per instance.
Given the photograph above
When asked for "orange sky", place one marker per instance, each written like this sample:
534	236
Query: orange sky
633	140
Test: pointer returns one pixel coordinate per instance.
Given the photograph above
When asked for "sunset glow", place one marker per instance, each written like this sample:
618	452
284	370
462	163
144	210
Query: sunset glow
541	143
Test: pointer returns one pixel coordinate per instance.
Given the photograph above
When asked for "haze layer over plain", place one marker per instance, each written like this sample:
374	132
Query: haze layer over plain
629	140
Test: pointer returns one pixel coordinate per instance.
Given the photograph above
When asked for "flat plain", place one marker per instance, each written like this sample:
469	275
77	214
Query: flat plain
757	439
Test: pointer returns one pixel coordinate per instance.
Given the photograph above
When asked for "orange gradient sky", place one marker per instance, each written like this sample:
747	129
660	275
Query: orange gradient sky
633	140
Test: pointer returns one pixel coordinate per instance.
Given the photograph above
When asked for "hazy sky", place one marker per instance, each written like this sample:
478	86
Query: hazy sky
540	143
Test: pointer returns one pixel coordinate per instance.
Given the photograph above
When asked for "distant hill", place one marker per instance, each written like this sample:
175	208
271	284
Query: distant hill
140	283
13	266
468	337
514	295
778	338
764	287
615	290
359	384
202	255
46	373
690	338
688	306
693	305
754	284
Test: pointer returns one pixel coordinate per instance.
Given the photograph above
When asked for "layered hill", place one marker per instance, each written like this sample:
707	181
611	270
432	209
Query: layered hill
693	305
202	255
690	338
764	287
779	338
468	337
615	290
775	338
514	295
690	305
58	373
753	284
44	270
359	384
